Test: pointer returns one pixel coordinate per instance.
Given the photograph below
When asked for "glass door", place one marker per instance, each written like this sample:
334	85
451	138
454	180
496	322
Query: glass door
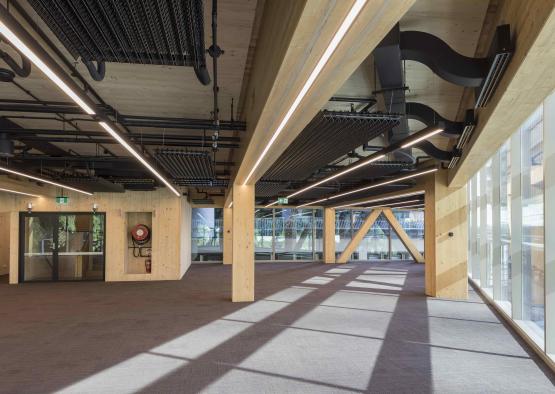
37	248
56	246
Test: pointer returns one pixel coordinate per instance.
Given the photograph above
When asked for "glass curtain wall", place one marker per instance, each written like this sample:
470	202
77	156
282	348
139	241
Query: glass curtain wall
512	224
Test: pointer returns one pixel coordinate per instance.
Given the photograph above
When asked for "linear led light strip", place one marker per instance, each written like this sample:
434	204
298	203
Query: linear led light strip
392	204
384	183
138	156
414	175
10	36
347	22
16	192
410	206
370	159
36	178
422	138
380	199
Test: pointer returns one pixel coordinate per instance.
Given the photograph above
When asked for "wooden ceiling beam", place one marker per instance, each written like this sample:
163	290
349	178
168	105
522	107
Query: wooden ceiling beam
293	37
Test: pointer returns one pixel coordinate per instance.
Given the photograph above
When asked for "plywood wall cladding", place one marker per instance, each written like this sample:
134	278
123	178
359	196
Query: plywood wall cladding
171	236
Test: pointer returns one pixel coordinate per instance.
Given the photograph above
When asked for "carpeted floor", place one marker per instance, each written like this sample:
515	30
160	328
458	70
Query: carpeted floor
364	327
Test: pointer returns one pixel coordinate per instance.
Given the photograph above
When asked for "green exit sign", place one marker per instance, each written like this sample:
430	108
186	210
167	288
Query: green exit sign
283	200
63	200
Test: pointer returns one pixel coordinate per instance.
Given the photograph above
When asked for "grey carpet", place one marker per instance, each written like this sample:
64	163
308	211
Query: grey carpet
360	327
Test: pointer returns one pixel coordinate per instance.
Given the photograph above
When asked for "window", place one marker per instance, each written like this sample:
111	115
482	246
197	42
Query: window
505	218
532	220
207	234
507	210
343	230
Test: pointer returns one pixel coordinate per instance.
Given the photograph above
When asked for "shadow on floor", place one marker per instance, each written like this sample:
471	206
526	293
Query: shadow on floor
359	327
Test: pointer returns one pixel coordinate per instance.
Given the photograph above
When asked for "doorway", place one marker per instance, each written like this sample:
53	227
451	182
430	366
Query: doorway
67	246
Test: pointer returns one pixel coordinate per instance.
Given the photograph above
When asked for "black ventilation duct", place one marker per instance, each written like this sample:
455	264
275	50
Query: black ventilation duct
163	32
6	146
327	137
483	74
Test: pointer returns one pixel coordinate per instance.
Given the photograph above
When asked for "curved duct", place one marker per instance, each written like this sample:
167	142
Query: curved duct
97	73
442	59
430	117
483	74
22	71
433	151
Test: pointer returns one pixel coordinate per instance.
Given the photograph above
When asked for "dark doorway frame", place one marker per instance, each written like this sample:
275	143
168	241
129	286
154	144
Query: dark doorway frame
54	218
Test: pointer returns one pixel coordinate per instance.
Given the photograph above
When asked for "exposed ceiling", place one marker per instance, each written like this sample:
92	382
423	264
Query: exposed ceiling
142	90
170	99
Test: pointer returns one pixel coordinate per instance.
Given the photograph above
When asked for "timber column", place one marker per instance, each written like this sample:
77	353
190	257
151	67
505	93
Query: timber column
242	283
329	235
228	235
445	238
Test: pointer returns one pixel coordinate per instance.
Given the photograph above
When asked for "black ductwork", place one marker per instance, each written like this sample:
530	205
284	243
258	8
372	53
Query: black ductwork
6	146
430	117
387	60
22	71
162	32
480	73
433	151
97	72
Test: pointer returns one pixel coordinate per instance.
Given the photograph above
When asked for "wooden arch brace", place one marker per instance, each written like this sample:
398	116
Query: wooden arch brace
359	236
403	236
395	226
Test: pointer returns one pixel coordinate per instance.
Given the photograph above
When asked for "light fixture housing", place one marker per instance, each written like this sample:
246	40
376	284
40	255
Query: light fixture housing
36	178
332	46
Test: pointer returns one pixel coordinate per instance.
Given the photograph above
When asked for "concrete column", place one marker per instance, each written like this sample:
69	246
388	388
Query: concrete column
242	285
228	235
445	238
329	235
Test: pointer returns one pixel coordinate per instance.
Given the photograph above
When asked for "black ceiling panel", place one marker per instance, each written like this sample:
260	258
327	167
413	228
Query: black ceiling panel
169	32
327	137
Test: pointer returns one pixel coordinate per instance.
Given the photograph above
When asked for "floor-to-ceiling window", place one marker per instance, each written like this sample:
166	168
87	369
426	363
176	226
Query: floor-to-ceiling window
207	234
531	137
507	219
505	222
343	229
